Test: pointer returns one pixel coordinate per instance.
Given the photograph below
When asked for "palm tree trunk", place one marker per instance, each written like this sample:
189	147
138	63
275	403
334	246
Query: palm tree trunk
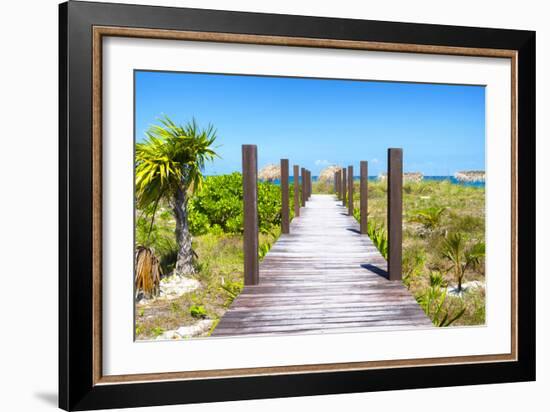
184	262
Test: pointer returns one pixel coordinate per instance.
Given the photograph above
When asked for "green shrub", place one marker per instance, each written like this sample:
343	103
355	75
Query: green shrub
218	205
269	206
198	312
157	331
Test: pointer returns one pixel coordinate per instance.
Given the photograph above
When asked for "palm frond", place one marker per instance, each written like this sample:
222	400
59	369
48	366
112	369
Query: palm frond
172	157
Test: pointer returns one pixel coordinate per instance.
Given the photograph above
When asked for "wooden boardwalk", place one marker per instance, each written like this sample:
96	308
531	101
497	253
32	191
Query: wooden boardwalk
322	277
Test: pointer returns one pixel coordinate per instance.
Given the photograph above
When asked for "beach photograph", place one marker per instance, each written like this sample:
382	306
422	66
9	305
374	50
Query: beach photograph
270	205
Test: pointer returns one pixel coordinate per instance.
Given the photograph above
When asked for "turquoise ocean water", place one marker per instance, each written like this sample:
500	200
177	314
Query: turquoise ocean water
451	179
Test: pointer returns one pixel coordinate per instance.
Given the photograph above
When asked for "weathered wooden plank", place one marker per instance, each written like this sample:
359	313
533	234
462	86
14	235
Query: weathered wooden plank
320	313
324	322
320	331
251	315
323	326
285	310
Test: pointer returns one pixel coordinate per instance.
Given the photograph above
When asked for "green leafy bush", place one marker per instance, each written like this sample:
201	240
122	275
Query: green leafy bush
198	312
218	205
157	331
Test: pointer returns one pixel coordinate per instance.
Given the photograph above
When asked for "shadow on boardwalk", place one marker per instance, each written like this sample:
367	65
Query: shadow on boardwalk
322	277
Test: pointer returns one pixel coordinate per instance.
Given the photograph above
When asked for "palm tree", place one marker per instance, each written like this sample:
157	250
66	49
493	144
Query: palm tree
460	256
169	164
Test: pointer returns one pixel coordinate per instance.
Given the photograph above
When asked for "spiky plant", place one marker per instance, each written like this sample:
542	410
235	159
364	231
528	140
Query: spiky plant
433	302
169	164
461	256
430	217
379	238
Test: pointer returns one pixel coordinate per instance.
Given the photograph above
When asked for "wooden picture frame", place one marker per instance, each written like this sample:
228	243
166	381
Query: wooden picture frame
81	30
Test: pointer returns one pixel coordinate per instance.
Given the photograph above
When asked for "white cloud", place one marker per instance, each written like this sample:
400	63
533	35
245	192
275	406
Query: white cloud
375	160
322	162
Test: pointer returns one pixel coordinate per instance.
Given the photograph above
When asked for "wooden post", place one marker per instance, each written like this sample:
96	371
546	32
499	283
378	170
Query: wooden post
250	214
285	213
296	190
395	212
350	190
364	197
306	185
344	186
309	183
335	182
340	184
303	186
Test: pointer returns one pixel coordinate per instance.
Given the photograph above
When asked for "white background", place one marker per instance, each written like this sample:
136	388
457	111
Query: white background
121	355
28	241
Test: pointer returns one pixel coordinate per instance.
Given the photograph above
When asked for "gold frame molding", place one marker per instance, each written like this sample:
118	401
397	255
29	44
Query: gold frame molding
103	31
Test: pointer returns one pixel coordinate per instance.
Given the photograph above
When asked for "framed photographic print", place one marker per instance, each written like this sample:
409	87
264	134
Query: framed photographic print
256	205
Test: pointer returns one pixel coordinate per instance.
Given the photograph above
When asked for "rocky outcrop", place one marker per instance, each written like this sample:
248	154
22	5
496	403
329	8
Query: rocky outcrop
270	173
327	174
470	176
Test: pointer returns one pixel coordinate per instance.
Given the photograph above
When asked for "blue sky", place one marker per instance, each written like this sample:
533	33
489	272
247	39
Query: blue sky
318	122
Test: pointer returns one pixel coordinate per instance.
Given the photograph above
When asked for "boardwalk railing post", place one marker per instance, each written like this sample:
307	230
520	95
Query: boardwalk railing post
364	197
296	190
395	212
250	214
303	186
306	197
340	184
285	212
309	185
344	186
335	182
350	190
